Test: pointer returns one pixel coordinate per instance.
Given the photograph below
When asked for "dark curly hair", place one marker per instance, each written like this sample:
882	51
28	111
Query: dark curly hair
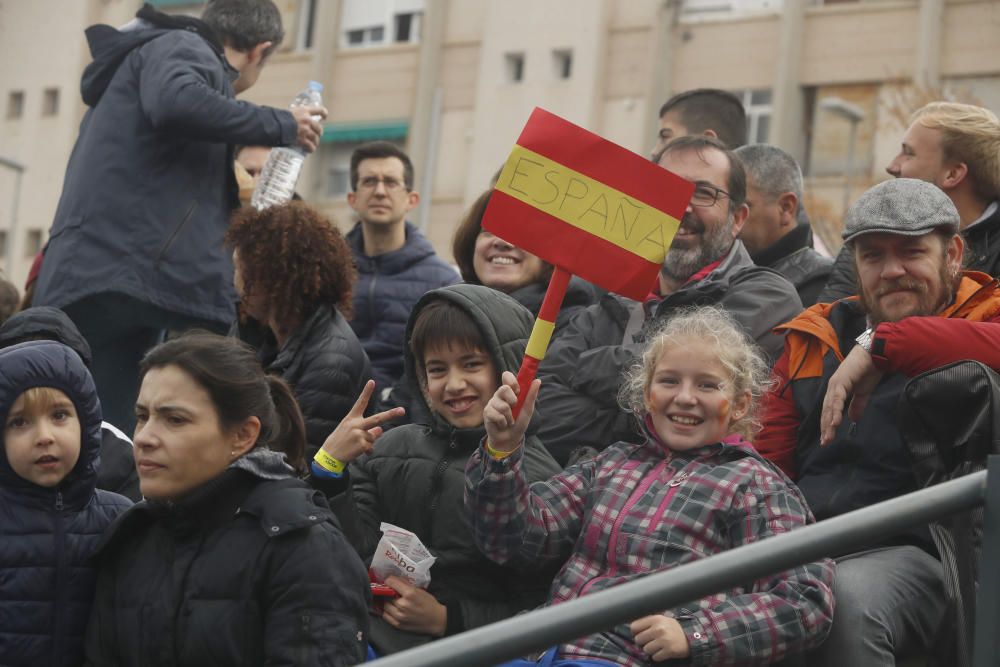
294	258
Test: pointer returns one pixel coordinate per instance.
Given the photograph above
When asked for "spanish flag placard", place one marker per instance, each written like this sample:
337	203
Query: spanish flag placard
587	205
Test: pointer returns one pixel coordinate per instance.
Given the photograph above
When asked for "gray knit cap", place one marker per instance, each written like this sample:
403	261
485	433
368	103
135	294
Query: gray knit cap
904	206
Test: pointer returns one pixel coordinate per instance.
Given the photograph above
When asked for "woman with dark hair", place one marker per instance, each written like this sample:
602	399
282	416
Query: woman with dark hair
230	560
294	276
486	259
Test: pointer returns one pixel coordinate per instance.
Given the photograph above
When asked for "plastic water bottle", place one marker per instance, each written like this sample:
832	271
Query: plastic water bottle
281	171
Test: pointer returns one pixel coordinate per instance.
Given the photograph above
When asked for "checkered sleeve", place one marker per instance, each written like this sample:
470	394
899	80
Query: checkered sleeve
781	614
524	525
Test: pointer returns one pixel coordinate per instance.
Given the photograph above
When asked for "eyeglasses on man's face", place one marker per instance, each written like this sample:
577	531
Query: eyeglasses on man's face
370	183
706	195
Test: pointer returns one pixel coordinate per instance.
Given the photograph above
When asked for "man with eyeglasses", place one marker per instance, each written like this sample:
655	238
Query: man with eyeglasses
705	265
396	263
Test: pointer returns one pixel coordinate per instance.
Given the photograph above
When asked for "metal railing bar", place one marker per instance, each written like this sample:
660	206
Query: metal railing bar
987	640
538	630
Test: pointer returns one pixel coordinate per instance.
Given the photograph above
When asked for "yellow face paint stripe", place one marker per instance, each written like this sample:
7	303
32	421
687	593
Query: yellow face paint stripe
538	343
587	204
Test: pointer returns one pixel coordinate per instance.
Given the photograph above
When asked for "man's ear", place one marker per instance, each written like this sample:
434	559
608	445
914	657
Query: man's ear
258	53
788	204
954	175
711	133
412	199
739	219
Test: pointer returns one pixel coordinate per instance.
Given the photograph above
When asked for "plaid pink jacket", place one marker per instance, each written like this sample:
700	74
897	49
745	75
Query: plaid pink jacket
631	511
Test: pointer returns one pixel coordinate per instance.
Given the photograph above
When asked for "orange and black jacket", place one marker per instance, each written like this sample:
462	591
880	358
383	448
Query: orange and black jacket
866	462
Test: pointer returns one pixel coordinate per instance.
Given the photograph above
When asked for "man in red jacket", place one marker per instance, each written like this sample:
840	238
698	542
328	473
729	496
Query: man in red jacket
916	311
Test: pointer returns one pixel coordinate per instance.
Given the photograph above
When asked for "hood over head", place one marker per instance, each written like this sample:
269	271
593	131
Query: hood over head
44	322
109	47
50	364
504	323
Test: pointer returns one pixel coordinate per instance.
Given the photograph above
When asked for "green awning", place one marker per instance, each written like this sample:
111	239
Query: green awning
365	131
175	3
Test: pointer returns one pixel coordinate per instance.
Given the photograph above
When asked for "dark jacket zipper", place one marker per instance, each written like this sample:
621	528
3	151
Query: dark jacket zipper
437	482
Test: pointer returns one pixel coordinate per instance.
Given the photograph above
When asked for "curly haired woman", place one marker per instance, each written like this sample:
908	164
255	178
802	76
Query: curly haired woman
294	276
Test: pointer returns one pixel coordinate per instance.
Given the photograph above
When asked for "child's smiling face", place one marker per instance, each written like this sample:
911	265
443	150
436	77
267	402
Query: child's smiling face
689	397
42	436
458	382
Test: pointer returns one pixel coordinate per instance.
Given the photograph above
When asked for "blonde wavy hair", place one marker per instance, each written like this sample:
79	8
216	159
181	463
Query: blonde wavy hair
969	134
748	373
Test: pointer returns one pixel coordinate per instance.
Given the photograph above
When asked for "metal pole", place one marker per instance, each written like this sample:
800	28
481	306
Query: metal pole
18	169
849	168
430	165
541	629
987	646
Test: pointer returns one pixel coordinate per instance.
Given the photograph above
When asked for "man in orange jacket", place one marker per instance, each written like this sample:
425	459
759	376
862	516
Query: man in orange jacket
916	311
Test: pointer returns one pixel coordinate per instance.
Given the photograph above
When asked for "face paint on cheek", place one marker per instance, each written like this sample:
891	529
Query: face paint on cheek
724	412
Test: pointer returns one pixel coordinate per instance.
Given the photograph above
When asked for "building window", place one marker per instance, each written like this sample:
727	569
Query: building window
366	36
50	102
759	108
514	65
33	242
307	25
562	59
15	104
407	27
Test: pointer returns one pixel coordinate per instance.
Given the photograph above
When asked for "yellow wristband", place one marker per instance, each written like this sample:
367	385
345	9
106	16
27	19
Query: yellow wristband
327	462
496	454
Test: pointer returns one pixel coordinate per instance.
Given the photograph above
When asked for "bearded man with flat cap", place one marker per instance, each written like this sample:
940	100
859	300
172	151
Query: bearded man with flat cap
830	420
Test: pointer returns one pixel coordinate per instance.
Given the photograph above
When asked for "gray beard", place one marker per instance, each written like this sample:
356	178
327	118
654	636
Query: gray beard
680	264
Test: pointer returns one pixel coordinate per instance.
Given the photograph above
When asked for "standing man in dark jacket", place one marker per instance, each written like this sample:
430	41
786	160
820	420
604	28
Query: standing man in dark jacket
396	263
777	232
957	148
136	244
706	265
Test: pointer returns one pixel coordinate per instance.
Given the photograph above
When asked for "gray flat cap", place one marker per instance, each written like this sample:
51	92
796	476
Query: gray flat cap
904	206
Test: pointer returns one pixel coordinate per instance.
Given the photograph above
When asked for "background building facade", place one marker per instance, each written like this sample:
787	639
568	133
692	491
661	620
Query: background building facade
454	80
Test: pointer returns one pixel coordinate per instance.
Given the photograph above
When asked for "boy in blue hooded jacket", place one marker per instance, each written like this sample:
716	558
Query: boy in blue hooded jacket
51	515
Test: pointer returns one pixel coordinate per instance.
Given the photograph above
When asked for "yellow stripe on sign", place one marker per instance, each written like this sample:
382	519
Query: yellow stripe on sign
538	342
587	204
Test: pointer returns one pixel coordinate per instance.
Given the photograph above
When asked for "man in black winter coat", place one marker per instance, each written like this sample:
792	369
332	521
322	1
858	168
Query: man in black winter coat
777	232
136	245
957	148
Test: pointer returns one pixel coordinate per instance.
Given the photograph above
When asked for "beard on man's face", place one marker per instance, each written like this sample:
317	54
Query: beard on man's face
930	299
682	263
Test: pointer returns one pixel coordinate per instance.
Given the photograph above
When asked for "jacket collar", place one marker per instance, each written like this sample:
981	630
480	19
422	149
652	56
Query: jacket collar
798	238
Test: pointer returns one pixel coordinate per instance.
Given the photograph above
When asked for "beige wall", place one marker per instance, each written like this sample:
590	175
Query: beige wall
857	51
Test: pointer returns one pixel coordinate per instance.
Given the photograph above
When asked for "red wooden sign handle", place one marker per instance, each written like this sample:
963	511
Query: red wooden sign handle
541	333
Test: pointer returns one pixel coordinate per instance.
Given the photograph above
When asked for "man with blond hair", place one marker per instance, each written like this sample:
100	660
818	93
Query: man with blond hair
957	148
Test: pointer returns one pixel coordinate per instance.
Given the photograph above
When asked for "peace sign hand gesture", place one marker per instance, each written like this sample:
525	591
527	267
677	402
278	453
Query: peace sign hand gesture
356	434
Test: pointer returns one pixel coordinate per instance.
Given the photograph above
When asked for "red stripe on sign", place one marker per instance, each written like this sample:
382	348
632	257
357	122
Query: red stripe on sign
592	258
605	161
